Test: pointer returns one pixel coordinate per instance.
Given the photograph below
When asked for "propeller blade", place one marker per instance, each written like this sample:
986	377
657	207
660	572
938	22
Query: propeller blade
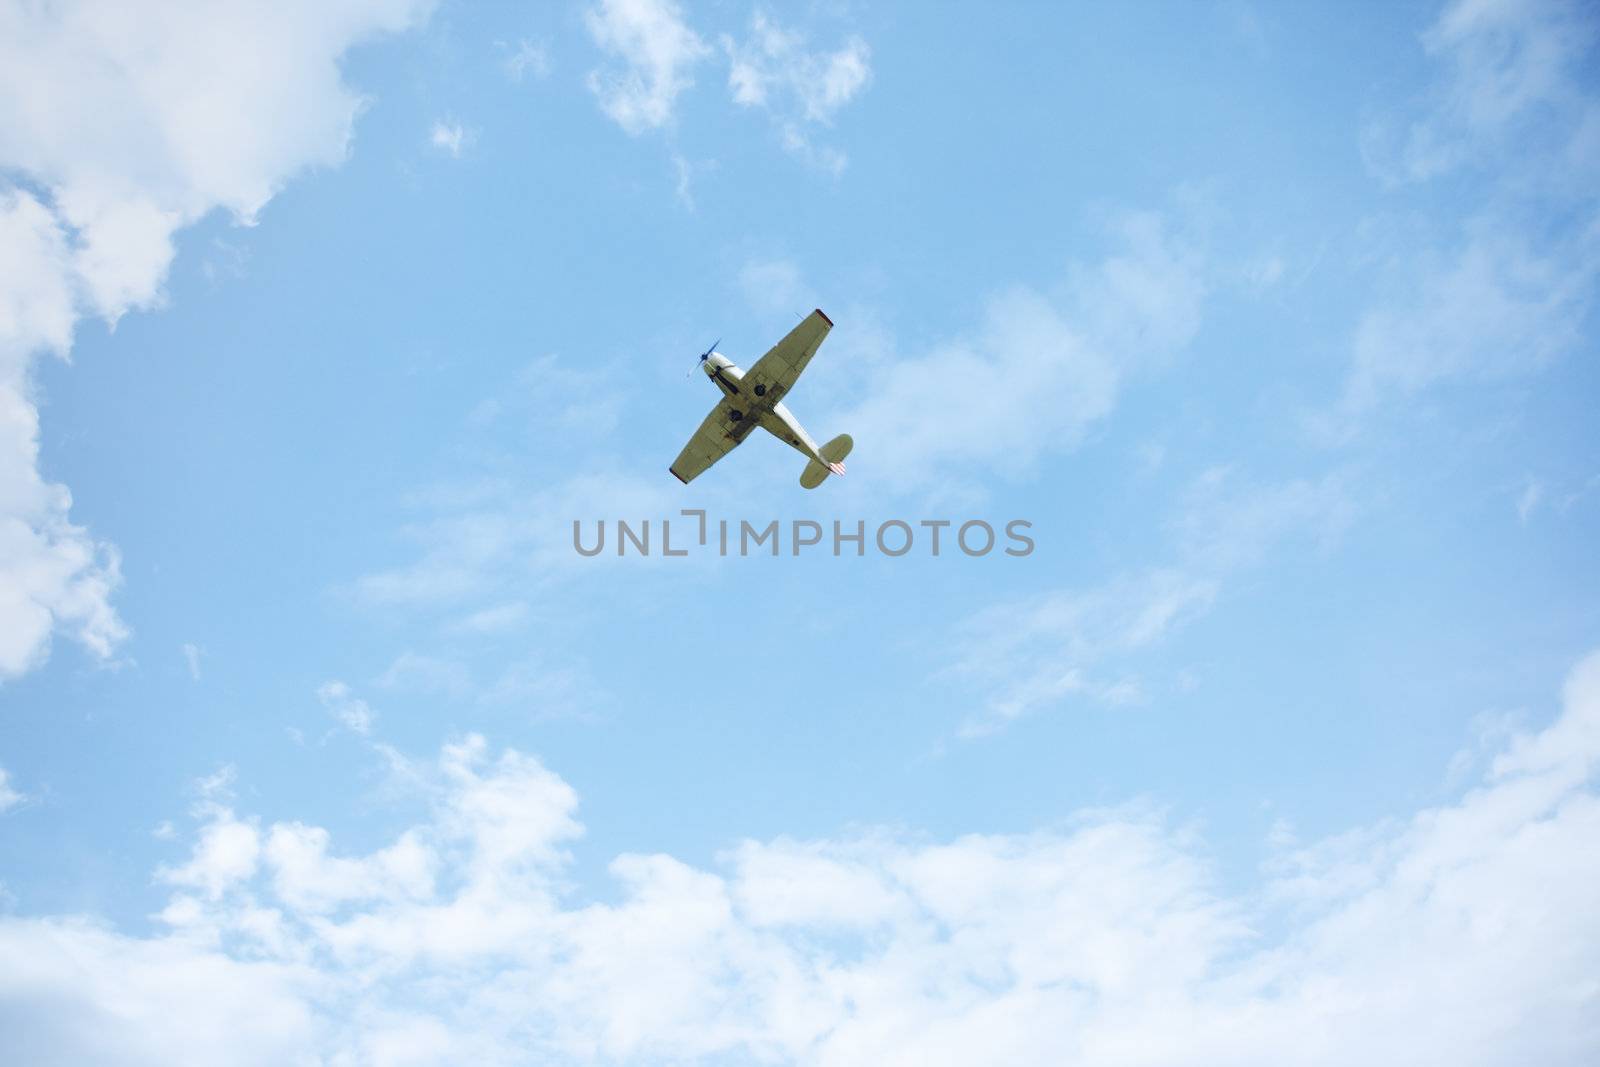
704	356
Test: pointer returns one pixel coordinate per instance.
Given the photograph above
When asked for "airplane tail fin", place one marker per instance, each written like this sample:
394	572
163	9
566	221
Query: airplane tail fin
833	454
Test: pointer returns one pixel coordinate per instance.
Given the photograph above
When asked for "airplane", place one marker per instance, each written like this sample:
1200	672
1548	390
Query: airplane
755	398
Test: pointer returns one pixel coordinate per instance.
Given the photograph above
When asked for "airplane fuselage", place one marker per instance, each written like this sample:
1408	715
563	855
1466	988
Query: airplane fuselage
765	410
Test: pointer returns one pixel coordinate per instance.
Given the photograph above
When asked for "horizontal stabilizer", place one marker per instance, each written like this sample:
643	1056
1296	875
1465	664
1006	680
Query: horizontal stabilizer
833	454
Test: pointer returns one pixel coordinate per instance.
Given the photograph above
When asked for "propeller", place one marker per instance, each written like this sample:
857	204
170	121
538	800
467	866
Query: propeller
704	356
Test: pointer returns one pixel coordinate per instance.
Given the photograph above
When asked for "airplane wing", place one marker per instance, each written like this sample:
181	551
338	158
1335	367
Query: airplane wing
718	435
775	373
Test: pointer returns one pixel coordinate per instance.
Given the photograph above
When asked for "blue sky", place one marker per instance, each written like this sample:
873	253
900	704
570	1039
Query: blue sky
321	324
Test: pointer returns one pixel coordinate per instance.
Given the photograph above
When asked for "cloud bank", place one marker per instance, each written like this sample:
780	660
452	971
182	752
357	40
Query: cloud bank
120	126
1466	933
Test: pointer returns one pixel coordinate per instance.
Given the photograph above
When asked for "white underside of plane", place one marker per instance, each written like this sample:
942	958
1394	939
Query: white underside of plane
755	398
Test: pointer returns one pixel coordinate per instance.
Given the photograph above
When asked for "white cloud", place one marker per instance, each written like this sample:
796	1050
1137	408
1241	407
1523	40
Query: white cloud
1574	496
118	127
9	797
426	674
1082	645
684	185
309	880
351	711
227	852
76	992
772	70
1529	499
1503	282
226	849
773	62
1466	933
557	396
450	138
928	419
191	659
529	57
495	619
538	687
772	286
54	576
1490	308
658	51
510	540
1071	643
1226	522
1510	75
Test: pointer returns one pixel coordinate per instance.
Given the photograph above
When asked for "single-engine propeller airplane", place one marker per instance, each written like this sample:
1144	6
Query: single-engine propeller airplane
755	398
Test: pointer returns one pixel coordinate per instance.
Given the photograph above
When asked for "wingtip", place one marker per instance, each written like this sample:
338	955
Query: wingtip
824	315
678	476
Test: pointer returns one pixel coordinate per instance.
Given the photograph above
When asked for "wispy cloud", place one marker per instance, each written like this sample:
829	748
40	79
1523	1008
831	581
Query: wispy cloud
1072	644
1529	499
773	286
1510	119
684	185
937	416
351	712
1556	495
486	546
525	59
509	541
1490	307
9	797
772	70
1509	76
533	685
191	659
1226	522
658	52
450	138
1085	644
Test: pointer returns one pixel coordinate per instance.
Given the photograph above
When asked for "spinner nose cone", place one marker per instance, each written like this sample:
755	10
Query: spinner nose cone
715	361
